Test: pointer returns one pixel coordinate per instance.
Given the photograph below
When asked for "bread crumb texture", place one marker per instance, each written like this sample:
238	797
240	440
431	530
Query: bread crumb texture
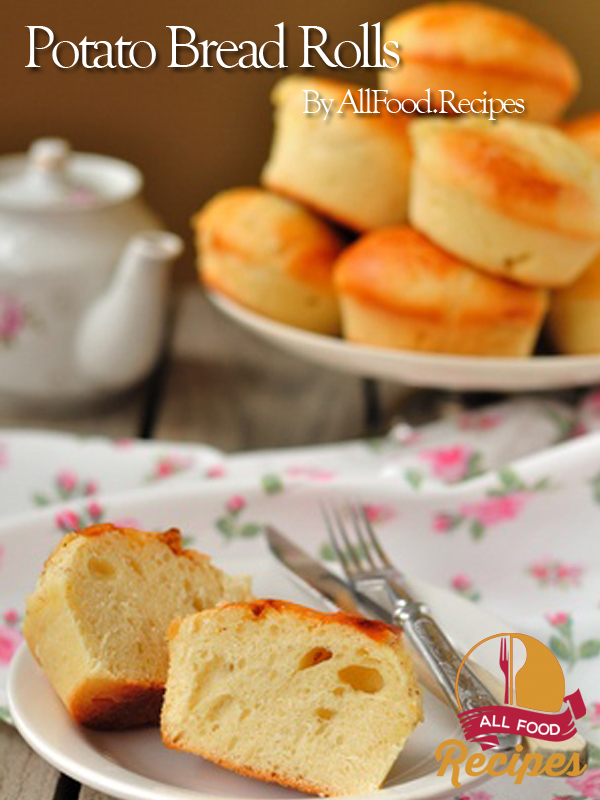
97	620
323	703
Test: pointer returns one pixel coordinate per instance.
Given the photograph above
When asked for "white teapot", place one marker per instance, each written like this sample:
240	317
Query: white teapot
83	276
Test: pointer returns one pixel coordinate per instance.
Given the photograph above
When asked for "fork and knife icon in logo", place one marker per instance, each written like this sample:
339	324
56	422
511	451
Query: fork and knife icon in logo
506	658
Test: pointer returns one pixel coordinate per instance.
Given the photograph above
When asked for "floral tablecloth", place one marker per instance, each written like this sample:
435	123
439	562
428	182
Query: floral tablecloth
485	470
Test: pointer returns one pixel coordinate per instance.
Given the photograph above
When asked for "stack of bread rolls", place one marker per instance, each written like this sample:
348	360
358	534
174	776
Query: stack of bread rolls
428	232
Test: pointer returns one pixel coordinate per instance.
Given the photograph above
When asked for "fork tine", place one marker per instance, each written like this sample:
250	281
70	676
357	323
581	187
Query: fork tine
373	539
351	550
339	554
356	522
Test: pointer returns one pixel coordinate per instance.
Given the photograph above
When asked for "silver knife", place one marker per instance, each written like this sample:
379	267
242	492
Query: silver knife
313	575
328	586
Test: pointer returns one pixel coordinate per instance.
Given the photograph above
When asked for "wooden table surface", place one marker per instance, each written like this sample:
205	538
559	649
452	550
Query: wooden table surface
216	384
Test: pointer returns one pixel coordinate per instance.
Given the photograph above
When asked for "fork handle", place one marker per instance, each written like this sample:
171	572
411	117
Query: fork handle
444	662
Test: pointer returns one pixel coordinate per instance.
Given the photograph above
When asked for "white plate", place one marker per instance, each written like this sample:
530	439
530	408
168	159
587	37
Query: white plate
425	370
134	764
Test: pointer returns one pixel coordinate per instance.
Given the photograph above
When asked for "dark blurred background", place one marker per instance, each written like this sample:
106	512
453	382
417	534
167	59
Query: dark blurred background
195	131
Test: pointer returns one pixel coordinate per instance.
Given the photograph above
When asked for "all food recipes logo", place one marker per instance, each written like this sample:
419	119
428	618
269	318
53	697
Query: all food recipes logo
534	694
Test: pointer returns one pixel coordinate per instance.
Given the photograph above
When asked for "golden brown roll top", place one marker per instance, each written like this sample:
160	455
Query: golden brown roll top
270	254
399	290
471	49
351	167
515	198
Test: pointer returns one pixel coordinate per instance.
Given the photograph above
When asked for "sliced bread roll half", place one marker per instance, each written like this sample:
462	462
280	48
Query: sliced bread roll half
97	621
322	703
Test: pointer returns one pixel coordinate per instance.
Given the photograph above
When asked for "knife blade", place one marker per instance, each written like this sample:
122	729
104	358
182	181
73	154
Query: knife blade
321	582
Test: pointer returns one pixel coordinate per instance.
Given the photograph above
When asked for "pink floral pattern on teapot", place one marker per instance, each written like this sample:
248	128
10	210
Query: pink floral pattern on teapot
13	318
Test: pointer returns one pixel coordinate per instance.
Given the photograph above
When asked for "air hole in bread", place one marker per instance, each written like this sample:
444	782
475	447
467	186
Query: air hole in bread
315	656
325	713
100	567
362	679
339	691
135	566
220	706
210	673
197	603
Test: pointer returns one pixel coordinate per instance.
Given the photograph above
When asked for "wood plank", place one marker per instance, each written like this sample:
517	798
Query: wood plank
23	774
227	388
119	418
91	794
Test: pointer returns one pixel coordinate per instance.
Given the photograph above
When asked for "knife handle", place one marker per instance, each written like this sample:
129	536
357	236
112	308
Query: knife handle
442	659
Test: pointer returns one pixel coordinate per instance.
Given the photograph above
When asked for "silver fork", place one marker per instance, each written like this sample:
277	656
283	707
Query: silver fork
368	569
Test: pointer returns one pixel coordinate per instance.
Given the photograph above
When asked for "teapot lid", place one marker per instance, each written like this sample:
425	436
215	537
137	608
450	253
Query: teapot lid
51	177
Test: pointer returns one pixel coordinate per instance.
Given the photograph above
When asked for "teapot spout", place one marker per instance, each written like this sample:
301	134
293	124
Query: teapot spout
120	335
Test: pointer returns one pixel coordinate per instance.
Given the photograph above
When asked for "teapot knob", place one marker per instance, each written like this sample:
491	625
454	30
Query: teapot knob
49	155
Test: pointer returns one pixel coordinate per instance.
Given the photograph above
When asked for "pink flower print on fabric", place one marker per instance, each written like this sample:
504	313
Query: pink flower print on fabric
479	422
169	465
379	512
67	480
449	464
495	510
550	572
215	471
235	504
587	785
312	473
10	639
